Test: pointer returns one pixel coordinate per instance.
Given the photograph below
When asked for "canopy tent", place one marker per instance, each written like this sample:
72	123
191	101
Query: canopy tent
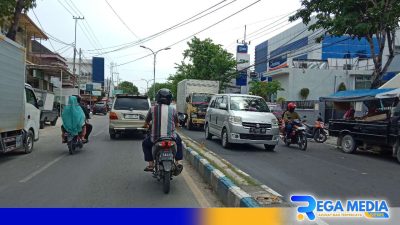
390	94
355	95
392	83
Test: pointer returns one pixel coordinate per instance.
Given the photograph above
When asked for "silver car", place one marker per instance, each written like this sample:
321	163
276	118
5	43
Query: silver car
241	119
128	113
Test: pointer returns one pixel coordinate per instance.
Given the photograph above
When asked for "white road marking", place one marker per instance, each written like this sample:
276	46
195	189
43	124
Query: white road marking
37	172
201	199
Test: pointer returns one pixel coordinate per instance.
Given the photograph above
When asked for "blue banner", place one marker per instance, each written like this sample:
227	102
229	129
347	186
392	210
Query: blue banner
241	79
98	70
99	216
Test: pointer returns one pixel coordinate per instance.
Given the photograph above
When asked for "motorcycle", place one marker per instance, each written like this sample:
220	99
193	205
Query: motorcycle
182	119
164	151
317	132
73	142
297	136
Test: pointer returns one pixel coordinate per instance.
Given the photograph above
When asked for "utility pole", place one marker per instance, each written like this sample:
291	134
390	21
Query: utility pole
76	23
79	71
110	79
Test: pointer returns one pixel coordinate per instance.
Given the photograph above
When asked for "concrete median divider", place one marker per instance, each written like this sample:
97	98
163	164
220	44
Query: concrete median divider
232	186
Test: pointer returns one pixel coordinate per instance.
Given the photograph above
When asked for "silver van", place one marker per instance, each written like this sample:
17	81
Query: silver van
237	118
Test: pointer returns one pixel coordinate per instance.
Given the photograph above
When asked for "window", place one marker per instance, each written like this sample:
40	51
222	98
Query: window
243	103
362	82
212	104
218	101
30	97
128	103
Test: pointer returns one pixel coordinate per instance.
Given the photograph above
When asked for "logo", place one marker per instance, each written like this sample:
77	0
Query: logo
258	125
242	49
312	208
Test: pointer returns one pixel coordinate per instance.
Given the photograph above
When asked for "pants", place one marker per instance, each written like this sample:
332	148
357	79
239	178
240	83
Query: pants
89	129
289	127
147	146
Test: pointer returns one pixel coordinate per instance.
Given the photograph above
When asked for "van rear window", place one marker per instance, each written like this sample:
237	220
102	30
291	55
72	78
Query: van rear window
129	103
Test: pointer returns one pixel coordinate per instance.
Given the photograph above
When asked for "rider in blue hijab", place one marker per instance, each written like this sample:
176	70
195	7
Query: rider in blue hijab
73	118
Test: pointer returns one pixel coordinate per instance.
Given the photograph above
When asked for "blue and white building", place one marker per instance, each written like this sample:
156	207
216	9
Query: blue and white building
297	61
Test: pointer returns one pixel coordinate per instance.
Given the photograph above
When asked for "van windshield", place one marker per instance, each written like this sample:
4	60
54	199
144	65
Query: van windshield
128	103
243	103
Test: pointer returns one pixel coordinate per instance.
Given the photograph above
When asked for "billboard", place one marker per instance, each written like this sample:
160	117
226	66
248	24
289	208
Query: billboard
243	62
242	49
98	70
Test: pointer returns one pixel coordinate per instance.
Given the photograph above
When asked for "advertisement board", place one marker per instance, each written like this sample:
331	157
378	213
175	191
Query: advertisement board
242	49
98	70
97	86
96	93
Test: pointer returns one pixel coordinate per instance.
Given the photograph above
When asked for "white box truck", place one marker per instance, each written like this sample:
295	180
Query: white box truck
19	109
193	97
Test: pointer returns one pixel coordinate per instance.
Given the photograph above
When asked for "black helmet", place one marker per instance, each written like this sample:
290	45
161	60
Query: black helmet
164	96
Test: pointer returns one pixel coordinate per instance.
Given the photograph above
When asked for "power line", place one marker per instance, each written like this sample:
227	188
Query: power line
214	24
163	31
120	19
40	24
177	26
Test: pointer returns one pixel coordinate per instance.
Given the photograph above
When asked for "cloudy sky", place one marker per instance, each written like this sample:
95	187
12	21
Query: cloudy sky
103	33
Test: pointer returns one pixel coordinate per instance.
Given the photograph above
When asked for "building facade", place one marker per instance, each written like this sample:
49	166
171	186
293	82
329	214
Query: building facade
297	60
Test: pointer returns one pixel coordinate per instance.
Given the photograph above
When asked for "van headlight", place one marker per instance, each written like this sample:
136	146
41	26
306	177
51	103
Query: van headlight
274	122
235	119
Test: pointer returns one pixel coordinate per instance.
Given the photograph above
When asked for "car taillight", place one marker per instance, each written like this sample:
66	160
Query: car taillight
113	116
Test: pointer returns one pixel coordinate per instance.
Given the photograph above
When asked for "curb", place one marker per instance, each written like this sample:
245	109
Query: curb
230	194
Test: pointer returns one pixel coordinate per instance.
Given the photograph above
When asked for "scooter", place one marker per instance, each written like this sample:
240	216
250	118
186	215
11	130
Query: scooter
317	132
73	142
297	136
164	151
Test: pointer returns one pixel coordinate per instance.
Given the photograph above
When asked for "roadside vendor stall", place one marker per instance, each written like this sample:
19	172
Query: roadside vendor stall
371	120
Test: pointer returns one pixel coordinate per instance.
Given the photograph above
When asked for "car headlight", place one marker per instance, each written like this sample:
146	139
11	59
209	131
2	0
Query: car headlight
235	119
274	122
193	115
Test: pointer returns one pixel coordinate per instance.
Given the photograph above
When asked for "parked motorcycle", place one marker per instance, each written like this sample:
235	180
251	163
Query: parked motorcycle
164	151
317	132
297	136
73	142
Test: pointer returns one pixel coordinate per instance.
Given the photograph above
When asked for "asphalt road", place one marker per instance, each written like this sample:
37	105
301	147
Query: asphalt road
322	170
104	174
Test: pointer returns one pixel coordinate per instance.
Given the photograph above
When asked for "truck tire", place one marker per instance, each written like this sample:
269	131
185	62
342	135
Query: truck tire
207	132
348	144
189	124
41	125
29	142
54	122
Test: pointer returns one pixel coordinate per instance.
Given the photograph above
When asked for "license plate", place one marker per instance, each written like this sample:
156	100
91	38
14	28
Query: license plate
258	130
167	156
132	116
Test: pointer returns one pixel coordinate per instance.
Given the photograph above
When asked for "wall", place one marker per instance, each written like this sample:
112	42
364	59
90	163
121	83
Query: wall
320	82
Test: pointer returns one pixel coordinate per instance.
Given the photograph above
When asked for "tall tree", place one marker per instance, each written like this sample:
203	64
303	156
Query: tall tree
357	18
128	88
265	89
207	61
10	13
158	87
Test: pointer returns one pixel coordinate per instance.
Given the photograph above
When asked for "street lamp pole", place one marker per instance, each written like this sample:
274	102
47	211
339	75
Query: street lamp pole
147	85
154	67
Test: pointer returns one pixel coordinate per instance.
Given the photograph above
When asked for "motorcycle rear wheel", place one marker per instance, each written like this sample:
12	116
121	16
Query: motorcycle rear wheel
166	182
71	147
320	136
